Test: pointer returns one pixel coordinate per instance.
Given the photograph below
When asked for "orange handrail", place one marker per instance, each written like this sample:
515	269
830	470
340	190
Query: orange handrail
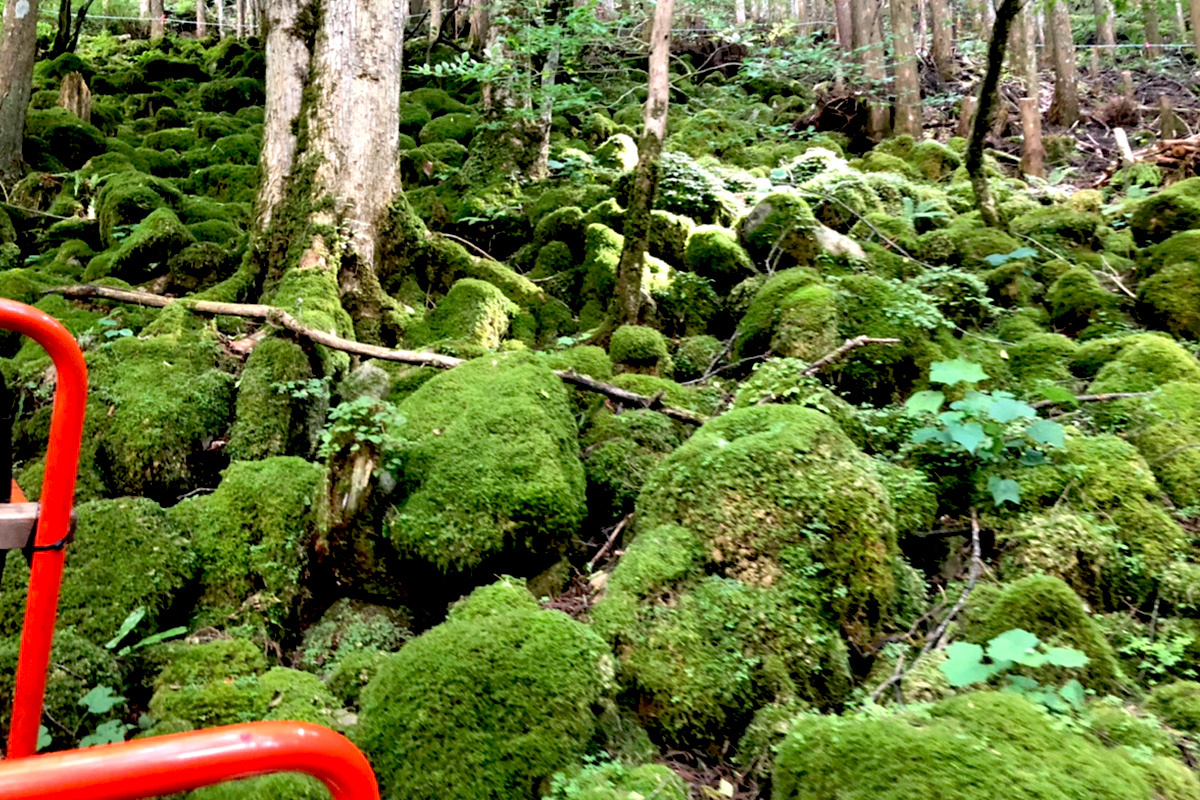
54	516
181	761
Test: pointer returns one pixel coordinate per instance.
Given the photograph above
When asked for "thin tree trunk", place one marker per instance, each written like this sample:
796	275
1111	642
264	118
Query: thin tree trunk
1195	9
941	49
1033	153
845	24
870	54
1150	13
62	36
201	20
221	19
908	81
1023	52
541	168
157	22
1106	34
739	12
435	25
1065	108
18	43
645	179
987	97
480	23
239	24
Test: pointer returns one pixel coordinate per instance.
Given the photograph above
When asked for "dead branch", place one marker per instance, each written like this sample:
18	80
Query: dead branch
280	318
612	538
847	346
1091	398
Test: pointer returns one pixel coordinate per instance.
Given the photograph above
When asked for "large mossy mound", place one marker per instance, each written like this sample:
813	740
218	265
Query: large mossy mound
486	705
491	466
980	745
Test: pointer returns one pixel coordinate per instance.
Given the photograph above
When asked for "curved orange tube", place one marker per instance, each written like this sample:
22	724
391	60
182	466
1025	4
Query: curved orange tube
181	761
54	517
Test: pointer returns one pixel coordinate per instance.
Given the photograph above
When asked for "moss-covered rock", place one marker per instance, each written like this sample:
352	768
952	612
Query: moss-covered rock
1174	209
229	183
1177	704
349	627
454	126
713	252
1141	364
793	315
781	226
436	101
741	467
1167	435
488	704
621	451
1168	299
613	781
1076	298
1058	226
126	198
971	747
669	235
146	251
1041	357
1076	548
492	469
618	152
473	311
70	139
638	348
277	413
695	355
215	683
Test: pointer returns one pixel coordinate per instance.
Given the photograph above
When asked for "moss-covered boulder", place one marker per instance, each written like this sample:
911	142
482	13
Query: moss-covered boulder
1174	209
621	451
1076	297
146	251
1168	299
780	227
279	411
793	315
157	403
455	126
1058	226
797	468
1075	547
1167	434
1177	704
473	311
637	348
126	198
614	781
486	705
71	140
1048	608
347	628
713	252
618	152
492	467
976	746
252	535
1141	363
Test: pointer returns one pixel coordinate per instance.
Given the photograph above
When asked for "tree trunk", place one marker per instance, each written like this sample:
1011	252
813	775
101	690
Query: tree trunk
1153	35
144	13
157	20
62	36
941	49
480	21
435	25
869	49
18	43
845	24
201	20
908	81
1195	9
1065	108
739	12
239	17
645	179
1033	153
221	19
75	96
987	97
1106	35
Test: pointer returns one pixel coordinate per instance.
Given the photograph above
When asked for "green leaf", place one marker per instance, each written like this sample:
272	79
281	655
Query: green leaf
1006	410
1045	432
1016	645
100	700
1004	490
1022	252
1072	692
956	371
44	738
129	624
926	401
922	435
1058	395
1066	657
964	664
110	732
969	436
974	403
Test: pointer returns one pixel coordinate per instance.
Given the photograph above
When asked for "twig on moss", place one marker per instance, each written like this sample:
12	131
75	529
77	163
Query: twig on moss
847	346
1091	398
471	245
282	319
612	538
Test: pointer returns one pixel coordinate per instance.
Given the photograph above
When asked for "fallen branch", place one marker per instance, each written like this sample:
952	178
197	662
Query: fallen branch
612	538
847	346
282	319
1091	398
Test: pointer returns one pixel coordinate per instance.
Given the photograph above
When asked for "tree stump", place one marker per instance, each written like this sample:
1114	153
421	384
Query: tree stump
76	97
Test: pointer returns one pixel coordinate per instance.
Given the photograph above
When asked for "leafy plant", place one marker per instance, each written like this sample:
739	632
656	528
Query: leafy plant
366	421
303	389
993	428
968	664
99	701
131	622
1000	259
112	329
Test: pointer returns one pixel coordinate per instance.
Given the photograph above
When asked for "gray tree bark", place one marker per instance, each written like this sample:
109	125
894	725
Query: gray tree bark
201	20
645	179
908	81
941	49
18	43
157	23
1064	110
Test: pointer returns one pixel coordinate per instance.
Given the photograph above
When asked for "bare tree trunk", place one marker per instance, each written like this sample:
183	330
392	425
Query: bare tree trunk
221	19
845	24
645	179
541	166
62	36
287	74
201	20
739	12
1033	153
973	162
1065	108
941	49
144	13
1195	9
1153	35
864	16
480	21
1106	35
435	25
908	81
1023	52
239	24
18	43
157	21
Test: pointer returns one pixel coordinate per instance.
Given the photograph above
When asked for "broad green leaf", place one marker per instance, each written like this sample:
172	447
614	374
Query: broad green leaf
974	402
926	401
100	700
129	624
1066	657
922	435
955	371
964	664
1058	395
110	732
969	436
1022	252
1045	432
1072	692
1023	684
1032	458
1016	645
1004	490
1006	410
44	738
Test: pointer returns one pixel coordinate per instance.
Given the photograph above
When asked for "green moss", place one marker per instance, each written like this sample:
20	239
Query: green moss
1076	548
875	161
933	160
564	225
687	188
1116	725
742	467
602	255
251	535
473	311
1041	357
618	152
669	235
1077	297
638	347
352	673
1143	364
179	139
980	745
231	94
126	198
841	198
70	139
229	183
486	705
436	101
710	132
349	627
1169	300
413	117
146	250
1177	704
1168	437
204	685
454	126
1174	209
492	468
613	781
76	666
1058	226
269	420
913	496
793	315
695	355
780	226
713	252
621	451
702	401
